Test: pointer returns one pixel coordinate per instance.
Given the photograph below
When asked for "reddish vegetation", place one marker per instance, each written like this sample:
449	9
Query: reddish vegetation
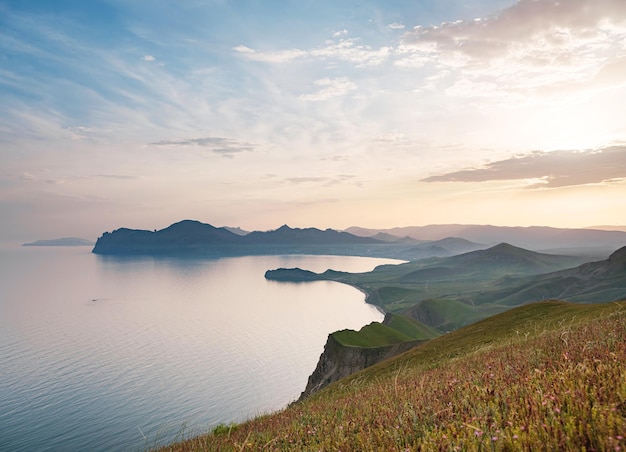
552	385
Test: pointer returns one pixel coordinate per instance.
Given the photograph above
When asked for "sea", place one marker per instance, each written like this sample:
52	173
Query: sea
106	353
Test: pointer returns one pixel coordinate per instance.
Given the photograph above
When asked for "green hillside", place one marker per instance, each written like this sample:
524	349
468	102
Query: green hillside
448	293
415	329
373	335
394	329
544	376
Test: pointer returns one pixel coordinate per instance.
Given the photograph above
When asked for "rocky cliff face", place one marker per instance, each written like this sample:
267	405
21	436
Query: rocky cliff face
339	361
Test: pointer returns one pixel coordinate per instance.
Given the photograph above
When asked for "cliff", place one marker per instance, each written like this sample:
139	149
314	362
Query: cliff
339	361
349	351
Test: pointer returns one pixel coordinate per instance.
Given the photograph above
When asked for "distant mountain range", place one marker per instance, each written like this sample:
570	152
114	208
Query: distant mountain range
592	242
409	243
65	241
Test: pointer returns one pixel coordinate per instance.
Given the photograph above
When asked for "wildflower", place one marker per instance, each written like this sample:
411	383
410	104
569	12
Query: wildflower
478	433
494	438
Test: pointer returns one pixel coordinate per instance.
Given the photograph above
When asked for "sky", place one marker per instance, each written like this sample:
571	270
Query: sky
328	114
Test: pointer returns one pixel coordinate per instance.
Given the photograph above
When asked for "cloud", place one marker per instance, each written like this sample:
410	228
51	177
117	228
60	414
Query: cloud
116	176
340	33
301	180
556	25
27	176
345	49
351	51
532	45
396	26
554	169
330	88
226	147
280	56
324	181
148	58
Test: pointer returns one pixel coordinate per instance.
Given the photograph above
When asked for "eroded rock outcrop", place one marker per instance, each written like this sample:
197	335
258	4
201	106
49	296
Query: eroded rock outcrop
339	361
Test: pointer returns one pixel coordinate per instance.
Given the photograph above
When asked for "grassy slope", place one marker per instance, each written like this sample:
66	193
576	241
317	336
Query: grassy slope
411	327
465	279
397	329
373	335
546	376
448	293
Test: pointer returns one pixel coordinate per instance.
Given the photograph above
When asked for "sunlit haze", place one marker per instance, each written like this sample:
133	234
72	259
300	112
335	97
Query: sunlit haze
313	114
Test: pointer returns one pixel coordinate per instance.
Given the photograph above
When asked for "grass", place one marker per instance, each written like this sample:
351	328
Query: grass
370	336
411	327
395	329
546	376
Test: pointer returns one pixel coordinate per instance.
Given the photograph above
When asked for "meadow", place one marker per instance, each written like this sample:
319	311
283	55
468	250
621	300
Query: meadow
545	376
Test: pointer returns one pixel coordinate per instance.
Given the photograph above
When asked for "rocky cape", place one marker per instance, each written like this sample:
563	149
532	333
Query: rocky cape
339	360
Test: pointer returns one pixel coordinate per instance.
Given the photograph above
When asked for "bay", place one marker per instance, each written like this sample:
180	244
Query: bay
107	353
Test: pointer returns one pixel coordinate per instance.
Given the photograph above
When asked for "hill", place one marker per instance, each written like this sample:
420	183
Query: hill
545	376
395	288
588	282
448	293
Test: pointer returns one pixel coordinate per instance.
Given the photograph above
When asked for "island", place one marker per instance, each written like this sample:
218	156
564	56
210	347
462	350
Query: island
64	241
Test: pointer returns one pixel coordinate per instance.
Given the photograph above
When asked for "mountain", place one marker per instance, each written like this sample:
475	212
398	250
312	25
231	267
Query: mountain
598	243
589	282
193	237
185	237
384	237
448	246
308	236
606	227
498	261
237	230
65	241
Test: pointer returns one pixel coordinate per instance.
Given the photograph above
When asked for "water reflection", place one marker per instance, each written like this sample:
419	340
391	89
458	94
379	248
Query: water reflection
98	351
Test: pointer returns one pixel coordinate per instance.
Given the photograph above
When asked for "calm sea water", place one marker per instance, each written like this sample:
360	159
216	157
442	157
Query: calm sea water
101	353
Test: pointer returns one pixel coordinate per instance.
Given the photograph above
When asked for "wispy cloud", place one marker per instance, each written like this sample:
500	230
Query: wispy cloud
280	56
340	33
349	50
302	180
325	181
554	169
224	146
117	176
329	88
533	45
